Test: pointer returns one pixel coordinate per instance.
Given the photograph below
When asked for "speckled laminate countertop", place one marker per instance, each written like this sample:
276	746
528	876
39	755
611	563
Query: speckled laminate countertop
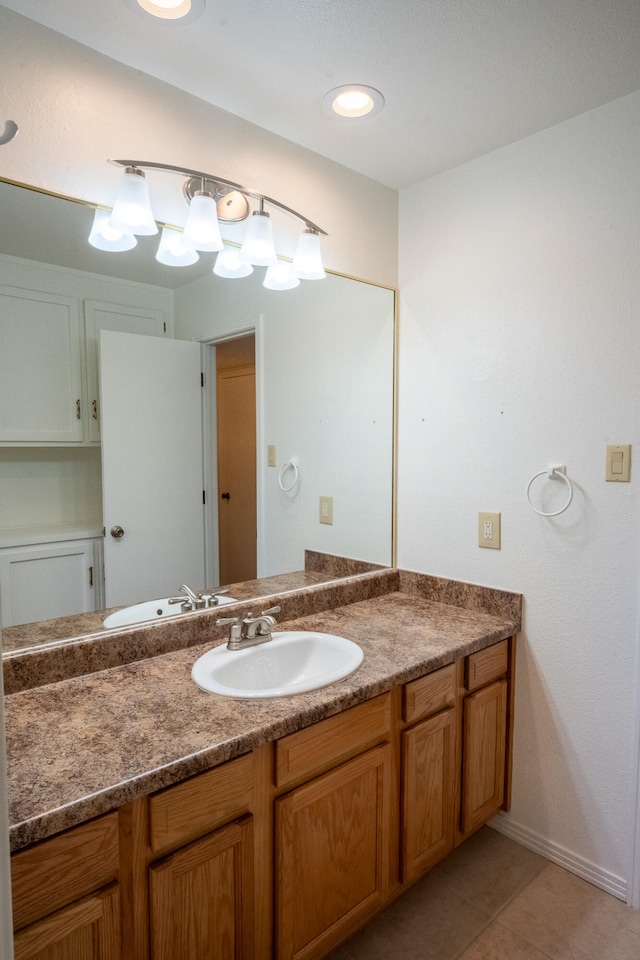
85	745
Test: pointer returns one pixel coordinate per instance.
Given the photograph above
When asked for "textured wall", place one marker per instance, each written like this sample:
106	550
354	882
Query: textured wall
520	297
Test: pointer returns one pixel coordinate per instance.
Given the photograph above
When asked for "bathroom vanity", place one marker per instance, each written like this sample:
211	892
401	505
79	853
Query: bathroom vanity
151	818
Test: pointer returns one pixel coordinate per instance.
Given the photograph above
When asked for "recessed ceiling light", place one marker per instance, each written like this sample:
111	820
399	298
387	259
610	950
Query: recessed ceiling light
353	100
183	10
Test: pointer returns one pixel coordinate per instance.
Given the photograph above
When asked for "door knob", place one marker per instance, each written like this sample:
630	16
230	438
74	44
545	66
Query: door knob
117	532
225	496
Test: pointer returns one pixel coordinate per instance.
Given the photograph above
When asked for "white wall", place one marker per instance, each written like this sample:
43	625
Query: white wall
520	296
76	108
51	485
327	398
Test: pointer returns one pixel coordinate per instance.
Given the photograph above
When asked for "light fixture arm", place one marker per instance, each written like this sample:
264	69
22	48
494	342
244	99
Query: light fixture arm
186	172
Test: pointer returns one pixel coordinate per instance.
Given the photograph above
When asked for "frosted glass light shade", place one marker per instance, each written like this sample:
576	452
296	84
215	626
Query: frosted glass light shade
281	276
132	212
202	230
307	261
172	252
258	247
104	237
228	264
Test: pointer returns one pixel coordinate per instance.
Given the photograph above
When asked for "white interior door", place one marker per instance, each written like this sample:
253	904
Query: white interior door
151	466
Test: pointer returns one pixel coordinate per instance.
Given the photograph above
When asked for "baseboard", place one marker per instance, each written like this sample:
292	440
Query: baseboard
613	884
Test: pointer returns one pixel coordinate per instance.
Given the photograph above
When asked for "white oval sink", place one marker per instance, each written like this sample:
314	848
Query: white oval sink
151	610
291	662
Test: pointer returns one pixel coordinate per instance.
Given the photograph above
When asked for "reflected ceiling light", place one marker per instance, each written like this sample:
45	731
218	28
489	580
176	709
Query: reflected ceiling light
172	251
281	276
228	264
104	237
132	210
307	261
202	230
258	247
182	10
213	200
353	100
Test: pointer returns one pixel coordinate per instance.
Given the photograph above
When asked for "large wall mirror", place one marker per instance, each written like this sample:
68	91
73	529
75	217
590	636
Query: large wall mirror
316	364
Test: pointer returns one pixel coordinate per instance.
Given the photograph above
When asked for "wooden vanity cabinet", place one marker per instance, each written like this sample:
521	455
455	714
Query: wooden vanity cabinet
66	898
332	832
487	715
286	851
429	771
201	895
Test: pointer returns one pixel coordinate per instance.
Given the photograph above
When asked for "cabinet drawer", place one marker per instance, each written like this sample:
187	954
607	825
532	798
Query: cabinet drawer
429	694
65	868
486	665
196	806
329	742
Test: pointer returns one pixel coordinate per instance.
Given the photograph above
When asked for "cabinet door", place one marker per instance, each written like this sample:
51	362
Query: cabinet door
86	930
428	794
112	316
484	754
332	854
40	368
202	898
52	580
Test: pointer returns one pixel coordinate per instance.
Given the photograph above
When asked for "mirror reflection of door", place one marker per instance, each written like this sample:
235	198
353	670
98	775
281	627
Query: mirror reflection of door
236	444
151	466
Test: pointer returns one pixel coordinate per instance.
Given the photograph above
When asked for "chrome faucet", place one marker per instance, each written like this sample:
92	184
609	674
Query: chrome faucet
196	601
250	631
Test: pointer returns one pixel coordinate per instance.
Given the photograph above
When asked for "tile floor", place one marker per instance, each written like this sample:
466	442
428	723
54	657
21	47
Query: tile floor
493	899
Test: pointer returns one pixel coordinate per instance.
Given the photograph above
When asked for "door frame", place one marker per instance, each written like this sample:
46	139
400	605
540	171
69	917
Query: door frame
230	330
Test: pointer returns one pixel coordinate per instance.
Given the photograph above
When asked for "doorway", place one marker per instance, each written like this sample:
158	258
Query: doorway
236	456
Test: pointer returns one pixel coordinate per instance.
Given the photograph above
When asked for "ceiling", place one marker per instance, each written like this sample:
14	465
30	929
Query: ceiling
460	77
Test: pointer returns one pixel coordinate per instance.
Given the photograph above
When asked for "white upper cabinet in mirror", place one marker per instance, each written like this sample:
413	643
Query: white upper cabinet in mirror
321	393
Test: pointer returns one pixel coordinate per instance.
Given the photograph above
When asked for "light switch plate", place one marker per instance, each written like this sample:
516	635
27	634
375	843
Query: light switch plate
271	455
618	466
489	530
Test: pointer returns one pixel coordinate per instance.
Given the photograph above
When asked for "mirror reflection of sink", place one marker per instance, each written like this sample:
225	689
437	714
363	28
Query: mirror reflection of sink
151	610
291	662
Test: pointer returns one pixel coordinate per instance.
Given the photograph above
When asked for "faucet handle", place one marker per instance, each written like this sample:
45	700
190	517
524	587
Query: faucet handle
183	600
211	599
266	613
235	629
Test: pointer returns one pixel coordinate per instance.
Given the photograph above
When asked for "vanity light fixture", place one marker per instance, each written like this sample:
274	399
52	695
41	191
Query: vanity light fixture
281	275
104	237
202	230
132	211
307	261
172	250
228	264
181	10
258	248
211	199
353	100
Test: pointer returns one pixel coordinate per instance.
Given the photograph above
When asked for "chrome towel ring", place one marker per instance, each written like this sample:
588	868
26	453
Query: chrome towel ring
554	471
9	132
291	464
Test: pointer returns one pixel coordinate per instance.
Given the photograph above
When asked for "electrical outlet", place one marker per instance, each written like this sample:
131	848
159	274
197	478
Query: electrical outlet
489	530
326	509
